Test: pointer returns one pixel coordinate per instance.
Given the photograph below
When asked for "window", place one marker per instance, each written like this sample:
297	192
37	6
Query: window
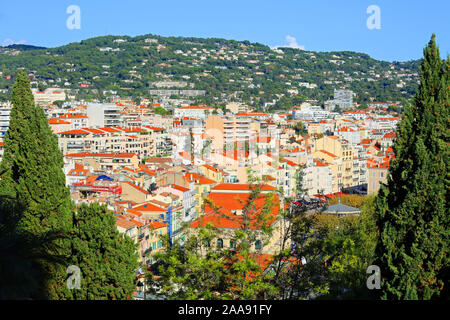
159	244
381	174
219	243
207	244
233	244
258	245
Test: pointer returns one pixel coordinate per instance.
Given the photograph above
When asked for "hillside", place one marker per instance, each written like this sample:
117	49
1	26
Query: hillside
226	69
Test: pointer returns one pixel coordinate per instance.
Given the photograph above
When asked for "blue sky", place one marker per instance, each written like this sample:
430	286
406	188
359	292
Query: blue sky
318	25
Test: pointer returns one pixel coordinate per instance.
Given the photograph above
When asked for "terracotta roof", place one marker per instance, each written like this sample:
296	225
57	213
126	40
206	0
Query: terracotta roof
74	132
157	225
390	135
320	164
209	167
179	188
227	203
104	155
237	186
328	153
145	169
195	107
148	207
191	176
72	116
124	223
93	130
57	121
111	130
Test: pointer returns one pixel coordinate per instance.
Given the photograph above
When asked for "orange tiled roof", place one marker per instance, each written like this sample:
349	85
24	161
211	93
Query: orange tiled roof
237	186
229	202
57	121
148	207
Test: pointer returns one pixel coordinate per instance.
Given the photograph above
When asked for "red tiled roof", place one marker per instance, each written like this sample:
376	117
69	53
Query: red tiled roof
111	130
157	225
227	203
191	176
72	116
93	130
145	169
148	207
124	223
320	164
195	107
154	128
390	135
179	188
209	167
57	121
74	132
105	155
237	186
328	153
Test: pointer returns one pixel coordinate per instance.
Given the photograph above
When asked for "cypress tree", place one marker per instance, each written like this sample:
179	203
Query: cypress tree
412	208
106	258
34	199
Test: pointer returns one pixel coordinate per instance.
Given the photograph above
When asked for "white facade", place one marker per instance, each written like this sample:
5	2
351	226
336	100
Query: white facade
193	112
104	115
5	112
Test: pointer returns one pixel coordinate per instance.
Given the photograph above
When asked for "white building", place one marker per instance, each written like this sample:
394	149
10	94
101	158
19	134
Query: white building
5	111
49	95
104	115
193	112
311	113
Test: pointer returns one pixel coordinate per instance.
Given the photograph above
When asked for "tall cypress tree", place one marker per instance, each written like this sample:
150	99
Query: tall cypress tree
412	208
107	259
34	199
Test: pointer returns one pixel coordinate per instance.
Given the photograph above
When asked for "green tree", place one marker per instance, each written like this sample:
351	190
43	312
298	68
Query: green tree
161	111
107	259
412	209
348	246
300	129
34	200
200	269
299	271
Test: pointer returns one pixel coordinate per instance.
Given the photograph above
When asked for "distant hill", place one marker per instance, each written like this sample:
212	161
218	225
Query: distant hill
227	69
24	47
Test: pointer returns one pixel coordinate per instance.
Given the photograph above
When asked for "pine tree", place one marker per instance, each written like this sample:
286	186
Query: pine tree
107	259
412	209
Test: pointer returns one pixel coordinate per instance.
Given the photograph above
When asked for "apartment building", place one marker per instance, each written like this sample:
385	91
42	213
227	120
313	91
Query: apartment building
104	115
48	96
5	111
193	112
226	131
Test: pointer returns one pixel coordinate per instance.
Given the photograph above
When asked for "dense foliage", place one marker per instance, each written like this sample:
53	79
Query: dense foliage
40	234
34	200
106	258
226	69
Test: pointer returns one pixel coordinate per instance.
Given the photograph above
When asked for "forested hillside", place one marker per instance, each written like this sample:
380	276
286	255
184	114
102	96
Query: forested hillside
228	70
